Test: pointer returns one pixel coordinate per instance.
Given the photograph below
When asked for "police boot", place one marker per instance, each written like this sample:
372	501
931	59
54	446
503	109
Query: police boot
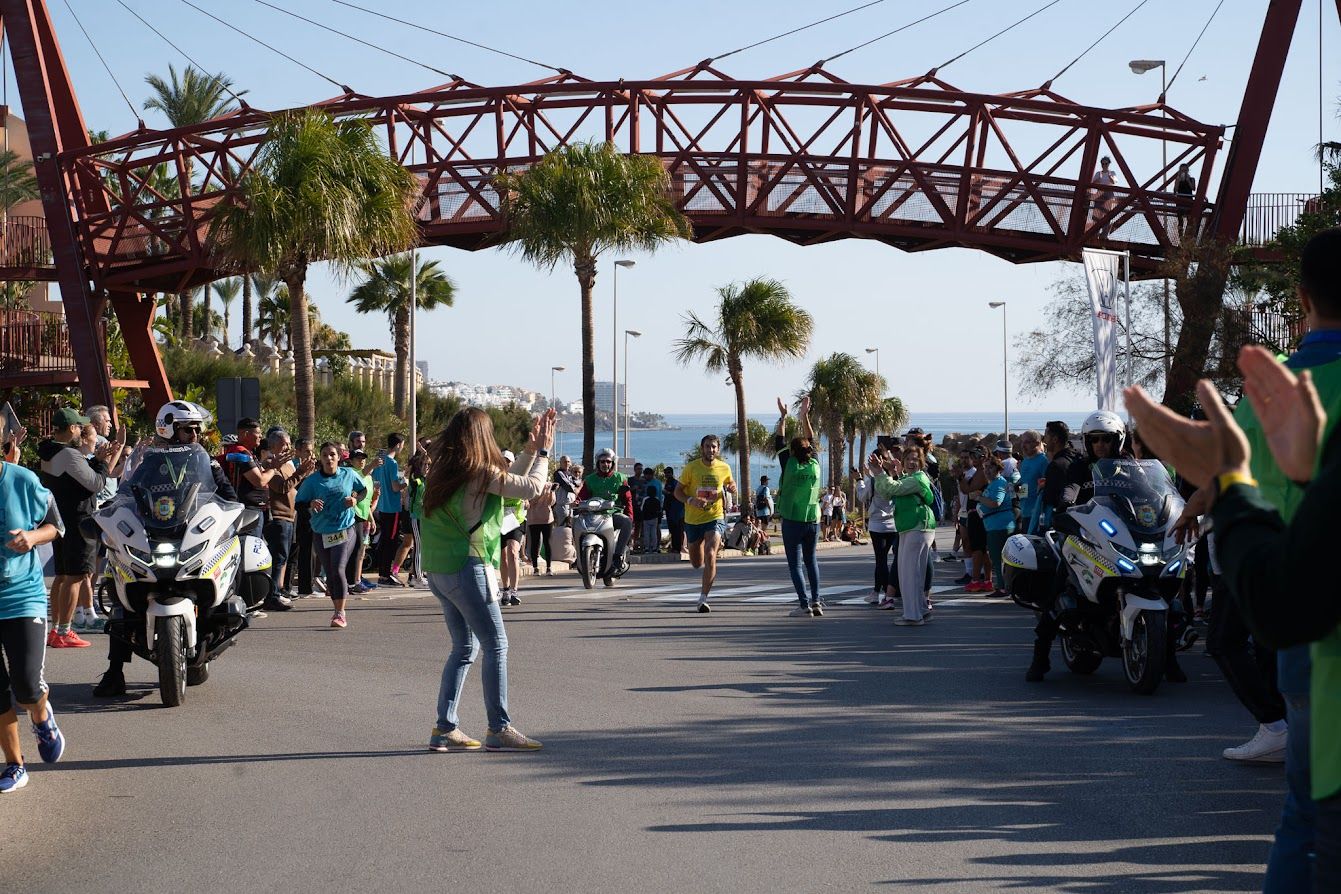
1040	665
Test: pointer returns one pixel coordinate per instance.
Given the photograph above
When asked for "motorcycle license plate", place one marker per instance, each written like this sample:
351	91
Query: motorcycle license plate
330	540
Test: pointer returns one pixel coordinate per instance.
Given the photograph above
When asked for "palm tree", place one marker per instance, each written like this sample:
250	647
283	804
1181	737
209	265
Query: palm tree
756	320
839	387
886	417
190	99
576	203
246	308
264	287
227	290
18	183
272	317
319	189
386	289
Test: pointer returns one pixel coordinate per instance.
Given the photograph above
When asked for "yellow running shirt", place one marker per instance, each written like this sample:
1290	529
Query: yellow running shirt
705	482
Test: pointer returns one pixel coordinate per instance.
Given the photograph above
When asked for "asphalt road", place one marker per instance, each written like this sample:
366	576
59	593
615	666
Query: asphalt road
738	751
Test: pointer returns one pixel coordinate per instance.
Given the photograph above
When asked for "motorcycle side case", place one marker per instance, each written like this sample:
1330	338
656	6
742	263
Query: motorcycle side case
1029	567
254	583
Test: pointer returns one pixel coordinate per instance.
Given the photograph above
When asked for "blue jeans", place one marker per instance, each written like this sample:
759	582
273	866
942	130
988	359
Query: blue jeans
798	542
472	621
1289	868
278	536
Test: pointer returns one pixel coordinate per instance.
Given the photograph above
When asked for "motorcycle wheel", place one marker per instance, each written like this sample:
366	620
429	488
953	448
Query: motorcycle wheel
590	560
1079	661
171	635
1143	658
197	674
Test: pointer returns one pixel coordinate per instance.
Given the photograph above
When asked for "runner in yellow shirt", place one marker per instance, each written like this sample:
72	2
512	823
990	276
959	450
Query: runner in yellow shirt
702	484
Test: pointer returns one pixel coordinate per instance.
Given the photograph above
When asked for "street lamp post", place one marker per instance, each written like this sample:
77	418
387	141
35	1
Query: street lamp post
1141	66
1005	386
553	394
614	359
876	352
636	334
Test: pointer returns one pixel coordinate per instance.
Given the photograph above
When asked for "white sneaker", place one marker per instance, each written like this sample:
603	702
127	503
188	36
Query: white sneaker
319	585
1264	748
871	598
799	612
78	622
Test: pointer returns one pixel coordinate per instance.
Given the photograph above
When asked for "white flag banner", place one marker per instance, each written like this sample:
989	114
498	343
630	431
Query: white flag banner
1104	277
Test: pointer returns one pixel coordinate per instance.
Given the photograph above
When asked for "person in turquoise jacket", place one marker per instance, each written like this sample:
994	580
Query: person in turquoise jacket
1032	470
998	517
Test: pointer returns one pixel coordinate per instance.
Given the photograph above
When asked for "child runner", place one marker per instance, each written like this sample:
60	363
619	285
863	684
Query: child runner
30	519
702	484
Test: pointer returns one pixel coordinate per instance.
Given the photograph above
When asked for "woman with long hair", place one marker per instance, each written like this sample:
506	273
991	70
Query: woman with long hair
461	536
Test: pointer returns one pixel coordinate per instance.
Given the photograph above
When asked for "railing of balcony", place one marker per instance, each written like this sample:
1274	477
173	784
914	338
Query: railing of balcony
34	342
1269	212
24	242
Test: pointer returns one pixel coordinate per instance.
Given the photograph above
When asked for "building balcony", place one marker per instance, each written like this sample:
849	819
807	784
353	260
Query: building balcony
25	251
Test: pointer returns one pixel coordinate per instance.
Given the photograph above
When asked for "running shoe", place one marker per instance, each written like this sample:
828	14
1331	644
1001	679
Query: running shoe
369	584
872	598
13	778
887	603
801	611
964	580
513	600
509	739
70	640
908	622
817	610
94	622
319	585
256	614
53	639
50	739
78	622
338	620
358	589
704	608
452	740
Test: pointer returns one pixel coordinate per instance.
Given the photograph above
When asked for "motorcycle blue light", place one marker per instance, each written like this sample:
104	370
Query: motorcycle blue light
1123	564
1173	569
1107	527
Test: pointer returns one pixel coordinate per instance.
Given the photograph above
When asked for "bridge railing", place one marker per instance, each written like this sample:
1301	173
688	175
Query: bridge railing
916	164
1270	212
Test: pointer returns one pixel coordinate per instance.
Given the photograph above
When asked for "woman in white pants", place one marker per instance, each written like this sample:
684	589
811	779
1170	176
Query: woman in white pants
907	485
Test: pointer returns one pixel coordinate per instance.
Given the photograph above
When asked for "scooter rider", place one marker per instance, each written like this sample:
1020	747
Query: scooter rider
607	484
1104	434
178	422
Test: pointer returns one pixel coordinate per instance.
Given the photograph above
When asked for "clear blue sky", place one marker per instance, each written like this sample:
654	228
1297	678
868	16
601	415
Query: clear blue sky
940	344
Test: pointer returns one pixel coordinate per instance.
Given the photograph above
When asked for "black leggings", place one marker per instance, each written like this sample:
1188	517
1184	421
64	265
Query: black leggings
1248	666
884	543
23	644
536	537
334	559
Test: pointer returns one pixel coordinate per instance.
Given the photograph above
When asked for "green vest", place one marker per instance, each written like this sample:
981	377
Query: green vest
448	543
607	487
1325	685
363	508
799	490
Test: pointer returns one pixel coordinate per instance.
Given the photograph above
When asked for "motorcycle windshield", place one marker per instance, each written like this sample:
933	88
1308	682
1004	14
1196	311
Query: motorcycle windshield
170	484
1140	492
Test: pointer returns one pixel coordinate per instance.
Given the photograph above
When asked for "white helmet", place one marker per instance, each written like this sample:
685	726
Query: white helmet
605	453
176	413
1104	422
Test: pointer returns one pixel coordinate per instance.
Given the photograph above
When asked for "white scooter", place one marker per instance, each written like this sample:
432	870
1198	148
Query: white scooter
1122	566
182	573
594	536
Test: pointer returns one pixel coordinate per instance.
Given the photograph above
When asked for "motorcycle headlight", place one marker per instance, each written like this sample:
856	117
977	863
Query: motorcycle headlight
139	555
165	555
1149	554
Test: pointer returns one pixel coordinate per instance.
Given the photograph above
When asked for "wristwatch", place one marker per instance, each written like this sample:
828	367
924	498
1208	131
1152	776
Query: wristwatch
542	452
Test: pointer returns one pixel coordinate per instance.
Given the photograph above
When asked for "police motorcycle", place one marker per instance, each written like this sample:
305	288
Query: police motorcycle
1111	570
595	536
182	572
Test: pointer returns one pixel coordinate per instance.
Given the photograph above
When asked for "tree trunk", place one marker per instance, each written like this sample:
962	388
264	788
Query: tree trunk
401	329
227	314
585	268
1201	297
301	337
837	446
209	310
184	317
743	487
246	309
